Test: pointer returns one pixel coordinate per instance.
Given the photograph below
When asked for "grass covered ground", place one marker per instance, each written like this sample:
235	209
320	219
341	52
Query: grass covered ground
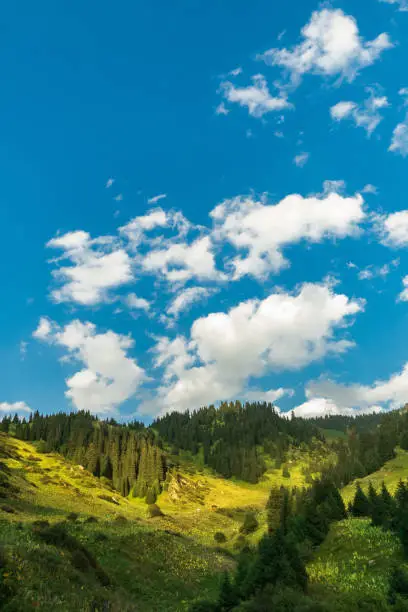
101	550
351	569
391	473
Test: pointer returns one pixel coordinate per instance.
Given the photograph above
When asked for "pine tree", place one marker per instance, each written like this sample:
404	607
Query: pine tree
228	598
360	506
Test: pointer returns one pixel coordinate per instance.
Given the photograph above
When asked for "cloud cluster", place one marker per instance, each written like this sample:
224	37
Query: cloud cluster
401	4
366	115
97	265
331	46
263	230
109	376
20	408
226	349
328	397
256	97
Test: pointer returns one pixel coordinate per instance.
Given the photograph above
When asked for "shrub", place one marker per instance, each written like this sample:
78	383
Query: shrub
240	542
80	561
8	509
250	523
41	446
219	537
154	511
72	516
101	537
120	519
91	519
42	524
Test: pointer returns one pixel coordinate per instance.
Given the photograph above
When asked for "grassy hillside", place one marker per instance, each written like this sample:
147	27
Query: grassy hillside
117	558
353	565
108	555
391	473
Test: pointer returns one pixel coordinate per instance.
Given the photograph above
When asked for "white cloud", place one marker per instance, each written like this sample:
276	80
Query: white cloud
371	271
272	395
331	46
137	303
321	406
236	71
366	115
15	407
135	230
256	97
118	198
283	331
109	183
301	159
399	141
180	261
109	376
326	396
44	329
221	109
157	198
186	298
97	266
402	4
263	230
369	189
394	229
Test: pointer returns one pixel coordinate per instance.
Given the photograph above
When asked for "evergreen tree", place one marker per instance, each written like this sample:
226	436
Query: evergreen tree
228	598
361	505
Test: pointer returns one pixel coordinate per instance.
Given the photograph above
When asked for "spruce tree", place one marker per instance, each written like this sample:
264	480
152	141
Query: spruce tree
360	505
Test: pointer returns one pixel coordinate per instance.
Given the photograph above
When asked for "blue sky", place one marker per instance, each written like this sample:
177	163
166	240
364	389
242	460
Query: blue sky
273	265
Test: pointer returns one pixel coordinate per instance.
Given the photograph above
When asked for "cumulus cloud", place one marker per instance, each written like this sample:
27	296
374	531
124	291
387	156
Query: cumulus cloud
137	228
403	296
366	115
328	397
109	183
97	266
19	408
283	331
137	303
109	376
301	159
263	230
399	141
256	97
393	229
44	329
221	109
186	298
181	261
331	46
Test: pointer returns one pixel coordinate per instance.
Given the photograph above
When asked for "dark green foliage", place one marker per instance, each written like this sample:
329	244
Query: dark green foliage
8	509
250	523
126	455
80	561
72	516
230	436
398	584
360	505
228	597
91	519
220	537
204	606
